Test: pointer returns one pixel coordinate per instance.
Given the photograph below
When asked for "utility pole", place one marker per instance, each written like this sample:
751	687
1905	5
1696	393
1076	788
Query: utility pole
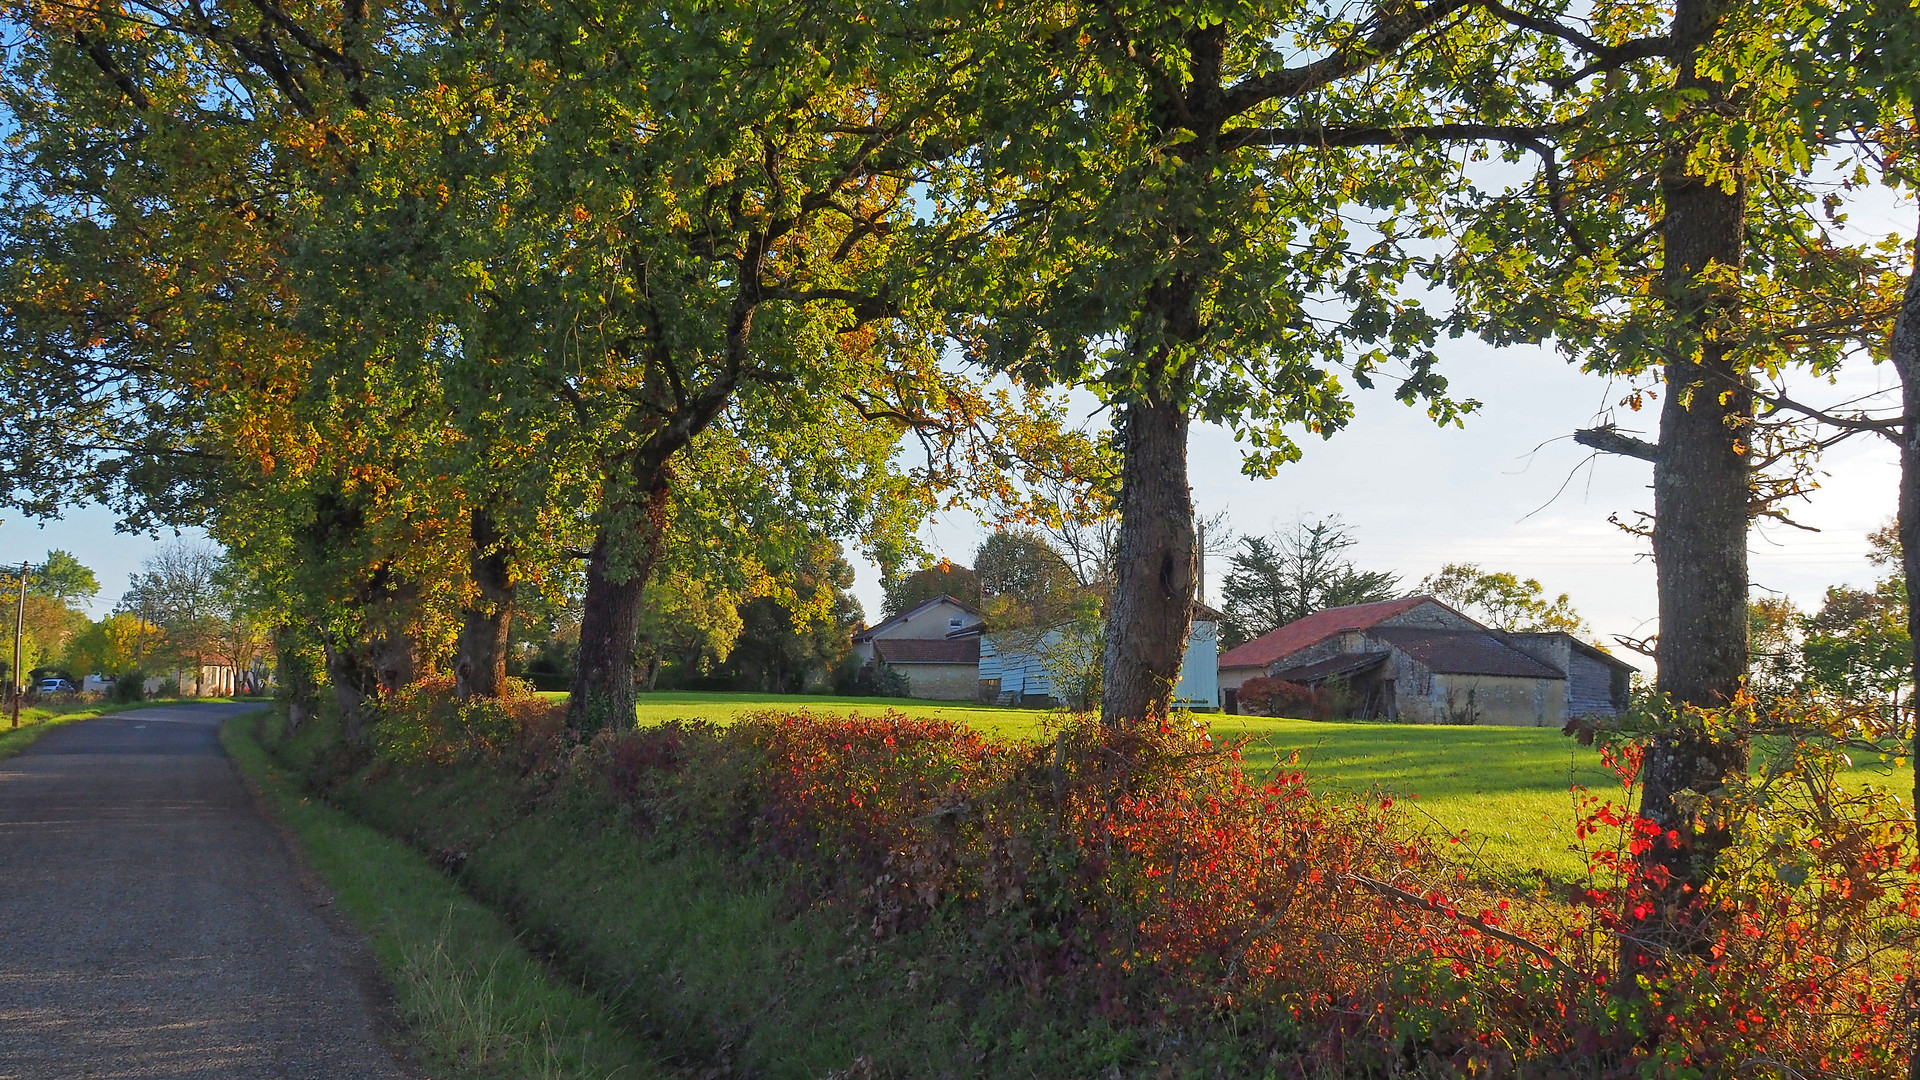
19	630
1201	573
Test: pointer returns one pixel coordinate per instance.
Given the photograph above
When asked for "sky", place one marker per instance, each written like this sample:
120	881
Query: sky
87	532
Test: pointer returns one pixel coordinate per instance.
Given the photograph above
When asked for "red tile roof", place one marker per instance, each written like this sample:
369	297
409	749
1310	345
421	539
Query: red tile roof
1316	627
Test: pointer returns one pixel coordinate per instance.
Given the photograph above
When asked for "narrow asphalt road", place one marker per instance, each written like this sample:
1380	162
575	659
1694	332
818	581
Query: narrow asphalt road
153	924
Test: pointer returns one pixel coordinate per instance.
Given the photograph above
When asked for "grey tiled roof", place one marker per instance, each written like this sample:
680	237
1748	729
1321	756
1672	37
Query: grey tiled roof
1464	652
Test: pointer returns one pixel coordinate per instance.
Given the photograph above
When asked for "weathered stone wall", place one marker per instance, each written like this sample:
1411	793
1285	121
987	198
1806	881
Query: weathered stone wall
1497	699
1590	687
942	682
1553	650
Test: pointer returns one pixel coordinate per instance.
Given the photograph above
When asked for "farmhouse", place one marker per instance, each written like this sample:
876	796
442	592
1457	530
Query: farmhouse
1013	668
930	646
1418	660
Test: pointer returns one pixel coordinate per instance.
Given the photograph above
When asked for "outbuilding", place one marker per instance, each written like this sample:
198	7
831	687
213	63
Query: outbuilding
1417	660
930	645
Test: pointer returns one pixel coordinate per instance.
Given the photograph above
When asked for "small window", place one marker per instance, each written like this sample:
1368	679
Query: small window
953	623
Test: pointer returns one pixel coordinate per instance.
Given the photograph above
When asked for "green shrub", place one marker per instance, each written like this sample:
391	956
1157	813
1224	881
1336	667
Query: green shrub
128	687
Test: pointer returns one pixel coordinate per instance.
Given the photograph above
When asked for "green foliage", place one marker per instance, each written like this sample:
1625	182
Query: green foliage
1034	601
53	621
128	687
687	620
1023	567
115	645
1272	581
1857	645
781	652
64	578
1502	600
943	578
1151	233
1074	658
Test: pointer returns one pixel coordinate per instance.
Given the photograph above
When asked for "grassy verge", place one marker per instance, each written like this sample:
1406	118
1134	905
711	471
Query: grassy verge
37	720
719	961
477	1002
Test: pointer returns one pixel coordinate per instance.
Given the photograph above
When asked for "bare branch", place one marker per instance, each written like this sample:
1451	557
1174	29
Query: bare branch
1608	439
1552	959
1393	31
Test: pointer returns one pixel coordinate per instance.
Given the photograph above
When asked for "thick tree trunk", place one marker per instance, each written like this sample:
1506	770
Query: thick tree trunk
396	660
1702	480
1906	361
1151	608
623	555
296	679
480	664
352	684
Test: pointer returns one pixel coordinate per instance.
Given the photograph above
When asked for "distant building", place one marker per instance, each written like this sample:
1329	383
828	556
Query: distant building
930	646
1013	669
1418	660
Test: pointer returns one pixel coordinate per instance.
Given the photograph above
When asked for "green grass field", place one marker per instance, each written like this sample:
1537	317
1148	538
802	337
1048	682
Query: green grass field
1508	790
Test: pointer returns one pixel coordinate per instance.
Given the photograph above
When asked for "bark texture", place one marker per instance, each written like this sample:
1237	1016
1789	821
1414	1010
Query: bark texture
1151	609
1702	477
352	685
617	572
297	684
1906	361
480	664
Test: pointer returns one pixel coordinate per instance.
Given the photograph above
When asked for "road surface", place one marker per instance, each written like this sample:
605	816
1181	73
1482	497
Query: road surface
154	924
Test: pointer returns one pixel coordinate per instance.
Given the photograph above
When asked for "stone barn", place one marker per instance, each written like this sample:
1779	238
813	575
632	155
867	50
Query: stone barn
1419	661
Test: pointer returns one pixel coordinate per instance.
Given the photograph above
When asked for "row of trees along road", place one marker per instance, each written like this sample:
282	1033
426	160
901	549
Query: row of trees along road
430	310
181	612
